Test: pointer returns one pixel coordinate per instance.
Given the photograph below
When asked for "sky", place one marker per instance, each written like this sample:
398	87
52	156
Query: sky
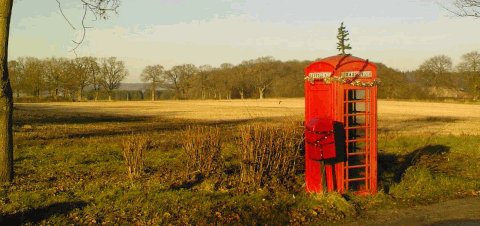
402	34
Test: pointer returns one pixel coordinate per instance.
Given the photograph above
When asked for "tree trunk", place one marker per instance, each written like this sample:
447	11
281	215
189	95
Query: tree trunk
260	91
6	97
79	97
153	90
96	95
241	94
109	96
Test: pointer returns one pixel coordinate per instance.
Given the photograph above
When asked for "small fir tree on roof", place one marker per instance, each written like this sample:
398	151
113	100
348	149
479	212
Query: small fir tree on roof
342	38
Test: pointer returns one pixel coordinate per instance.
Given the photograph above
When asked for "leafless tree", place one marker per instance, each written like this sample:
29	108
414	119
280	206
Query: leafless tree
203	79
181	77
33	71
113	72
53	74
470	67
153	74
436	71
94	72
81	75
263	74
16	76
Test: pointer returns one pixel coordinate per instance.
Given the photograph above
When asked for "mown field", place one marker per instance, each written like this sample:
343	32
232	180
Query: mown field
71	167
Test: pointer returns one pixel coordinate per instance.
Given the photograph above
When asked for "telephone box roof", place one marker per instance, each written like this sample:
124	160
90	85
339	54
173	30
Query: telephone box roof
334	60
341	63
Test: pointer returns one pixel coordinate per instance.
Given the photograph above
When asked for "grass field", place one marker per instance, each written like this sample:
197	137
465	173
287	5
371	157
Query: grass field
70	166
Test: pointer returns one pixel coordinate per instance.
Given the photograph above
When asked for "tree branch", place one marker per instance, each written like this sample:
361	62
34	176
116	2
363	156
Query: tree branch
61	11
99	7
84	32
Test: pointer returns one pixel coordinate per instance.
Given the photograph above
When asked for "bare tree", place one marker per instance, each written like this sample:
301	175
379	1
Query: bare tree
202	79
53	69
463	8
113	72
97	7
16	76
264	74
225	78
242	79
33	71
181	78
470	68
436	71
81	74
153	74
94	74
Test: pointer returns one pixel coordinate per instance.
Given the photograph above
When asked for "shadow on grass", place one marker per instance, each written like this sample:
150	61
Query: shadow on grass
37	215
418	123
391	167
154	127
26	117
187	184
21	159
72	118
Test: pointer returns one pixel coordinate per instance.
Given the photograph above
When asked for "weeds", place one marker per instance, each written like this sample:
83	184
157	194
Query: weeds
134	148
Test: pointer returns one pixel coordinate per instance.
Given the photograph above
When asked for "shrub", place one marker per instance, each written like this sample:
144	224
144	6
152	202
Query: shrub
202	146
268	153
134	148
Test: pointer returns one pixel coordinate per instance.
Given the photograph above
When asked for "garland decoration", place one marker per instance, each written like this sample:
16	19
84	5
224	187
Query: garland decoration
343	79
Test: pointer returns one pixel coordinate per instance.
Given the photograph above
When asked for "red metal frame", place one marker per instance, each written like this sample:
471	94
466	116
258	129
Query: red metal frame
332	100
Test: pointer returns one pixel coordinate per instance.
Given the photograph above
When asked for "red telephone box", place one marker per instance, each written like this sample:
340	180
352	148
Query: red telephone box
341	97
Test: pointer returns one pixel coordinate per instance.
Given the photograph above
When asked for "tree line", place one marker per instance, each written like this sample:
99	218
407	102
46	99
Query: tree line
255	78
66	77
433	79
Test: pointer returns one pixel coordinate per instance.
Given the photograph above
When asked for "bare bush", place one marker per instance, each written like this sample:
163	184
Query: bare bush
269	153
202	146
134	148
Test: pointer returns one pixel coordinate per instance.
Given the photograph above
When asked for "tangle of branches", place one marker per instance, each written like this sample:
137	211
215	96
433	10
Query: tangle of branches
463	8
99	8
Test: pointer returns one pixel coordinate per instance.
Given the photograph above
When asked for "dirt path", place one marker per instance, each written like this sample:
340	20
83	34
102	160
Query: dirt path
454	212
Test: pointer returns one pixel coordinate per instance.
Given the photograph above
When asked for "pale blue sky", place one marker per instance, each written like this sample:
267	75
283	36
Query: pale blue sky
400	33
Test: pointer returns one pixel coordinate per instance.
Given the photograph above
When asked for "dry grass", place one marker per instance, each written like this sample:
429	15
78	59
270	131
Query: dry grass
394	116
